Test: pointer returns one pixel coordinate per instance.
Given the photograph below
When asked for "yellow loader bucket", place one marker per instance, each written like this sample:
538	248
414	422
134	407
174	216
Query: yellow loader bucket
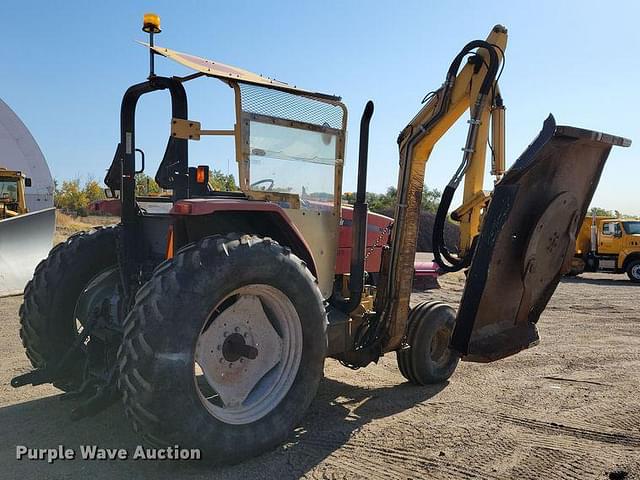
25	240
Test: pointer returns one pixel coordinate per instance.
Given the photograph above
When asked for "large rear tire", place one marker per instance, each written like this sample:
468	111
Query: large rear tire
427	358
224	348
47	322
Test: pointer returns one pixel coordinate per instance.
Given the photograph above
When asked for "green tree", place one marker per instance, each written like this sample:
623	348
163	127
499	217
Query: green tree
384	202
600	212
75	197
430	199
221	182
93	190
71	197
146	185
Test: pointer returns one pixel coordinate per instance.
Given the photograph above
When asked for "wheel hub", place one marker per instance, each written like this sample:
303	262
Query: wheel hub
440	345
234	348
248	354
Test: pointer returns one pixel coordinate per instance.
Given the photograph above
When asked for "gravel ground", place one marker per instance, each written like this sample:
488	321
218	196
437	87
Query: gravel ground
565	409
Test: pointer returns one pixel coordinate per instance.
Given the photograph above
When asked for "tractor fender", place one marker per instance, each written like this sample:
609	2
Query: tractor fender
265	219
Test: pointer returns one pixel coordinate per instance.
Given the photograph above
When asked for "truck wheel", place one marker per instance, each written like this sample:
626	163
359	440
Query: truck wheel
47	322
224	348
427	358
633	271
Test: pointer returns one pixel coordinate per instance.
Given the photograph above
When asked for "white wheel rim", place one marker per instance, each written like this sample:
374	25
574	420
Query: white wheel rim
635	271
256	321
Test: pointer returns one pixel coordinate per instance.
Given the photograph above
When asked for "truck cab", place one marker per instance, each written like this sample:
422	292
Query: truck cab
608	244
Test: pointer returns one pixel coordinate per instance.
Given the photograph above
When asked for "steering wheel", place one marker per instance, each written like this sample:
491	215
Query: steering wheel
270	181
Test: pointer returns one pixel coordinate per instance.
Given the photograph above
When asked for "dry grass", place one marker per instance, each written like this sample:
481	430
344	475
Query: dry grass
67	225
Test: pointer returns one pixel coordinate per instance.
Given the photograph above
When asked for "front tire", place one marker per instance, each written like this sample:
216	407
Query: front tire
47	316
633	271
224	349
427	359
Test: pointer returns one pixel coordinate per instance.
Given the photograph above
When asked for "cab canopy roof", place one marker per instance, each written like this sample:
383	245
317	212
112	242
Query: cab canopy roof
229	73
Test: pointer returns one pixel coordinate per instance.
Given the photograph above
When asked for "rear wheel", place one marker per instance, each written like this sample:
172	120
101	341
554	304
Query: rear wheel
633	271
48	323
224	348
427	358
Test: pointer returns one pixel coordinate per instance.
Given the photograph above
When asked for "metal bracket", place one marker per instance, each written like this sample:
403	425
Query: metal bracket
190	130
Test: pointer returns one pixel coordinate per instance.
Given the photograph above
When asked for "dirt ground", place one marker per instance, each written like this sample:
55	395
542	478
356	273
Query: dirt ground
67	225
567	409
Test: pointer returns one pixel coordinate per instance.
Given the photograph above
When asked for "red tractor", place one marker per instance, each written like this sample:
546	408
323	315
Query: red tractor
210	313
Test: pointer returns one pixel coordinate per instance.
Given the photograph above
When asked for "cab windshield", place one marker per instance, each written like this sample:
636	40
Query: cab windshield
631	228
8	189
291	160
293	146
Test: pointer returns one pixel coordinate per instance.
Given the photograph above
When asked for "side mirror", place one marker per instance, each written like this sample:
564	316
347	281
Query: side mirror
27	182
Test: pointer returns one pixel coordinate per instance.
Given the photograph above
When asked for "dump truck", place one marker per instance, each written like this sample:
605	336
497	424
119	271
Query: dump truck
210	314
607	244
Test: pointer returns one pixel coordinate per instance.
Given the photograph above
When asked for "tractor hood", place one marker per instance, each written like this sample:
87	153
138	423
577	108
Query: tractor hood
528	239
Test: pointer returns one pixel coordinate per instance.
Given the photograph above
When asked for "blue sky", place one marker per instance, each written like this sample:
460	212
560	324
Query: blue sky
67	64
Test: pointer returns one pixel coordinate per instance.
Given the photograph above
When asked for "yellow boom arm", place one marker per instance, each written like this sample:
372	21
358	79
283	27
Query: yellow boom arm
416	142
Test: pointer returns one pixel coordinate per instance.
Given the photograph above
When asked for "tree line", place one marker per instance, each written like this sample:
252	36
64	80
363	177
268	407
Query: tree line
76	196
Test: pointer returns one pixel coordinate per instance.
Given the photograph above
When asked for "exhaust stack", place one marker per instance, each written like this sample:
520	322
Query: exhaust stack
360	211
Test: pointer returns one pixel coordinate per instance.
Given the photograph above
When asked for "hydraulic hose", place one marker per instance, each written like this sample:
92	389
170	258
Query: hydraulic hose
440	250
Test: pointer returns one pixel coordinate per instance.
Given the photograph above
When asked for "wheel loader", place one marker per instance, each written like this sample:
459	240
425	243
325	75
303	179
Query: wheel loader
12	187
25	237
210	314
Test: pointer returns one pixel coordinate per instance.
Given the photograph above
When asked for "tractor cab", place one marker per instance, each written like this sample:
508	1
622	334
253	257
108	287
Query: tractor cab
12	193
289	147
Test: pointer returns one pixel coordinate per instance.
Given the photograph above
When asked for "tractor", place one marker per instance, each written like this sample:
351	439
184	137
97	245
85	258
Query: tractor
210	313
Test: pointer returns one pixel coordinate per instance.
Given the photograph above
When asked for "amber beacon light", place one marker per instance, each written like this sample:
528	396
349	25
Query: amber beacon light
151	23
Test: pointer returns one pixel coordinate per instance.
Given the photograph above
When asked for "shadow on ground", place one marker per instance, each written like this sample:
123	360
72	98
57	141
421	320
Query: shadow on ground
615	281
338	411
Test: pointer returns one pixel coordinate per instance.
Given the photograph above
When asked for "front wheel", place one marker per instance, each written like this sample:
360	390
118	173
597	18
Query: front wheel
224	348
633	271
49	320
426	358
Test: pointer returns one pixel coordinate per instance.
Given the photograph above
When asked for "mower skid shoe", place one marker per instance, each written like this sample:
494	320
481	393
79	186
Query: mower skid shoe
527	240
